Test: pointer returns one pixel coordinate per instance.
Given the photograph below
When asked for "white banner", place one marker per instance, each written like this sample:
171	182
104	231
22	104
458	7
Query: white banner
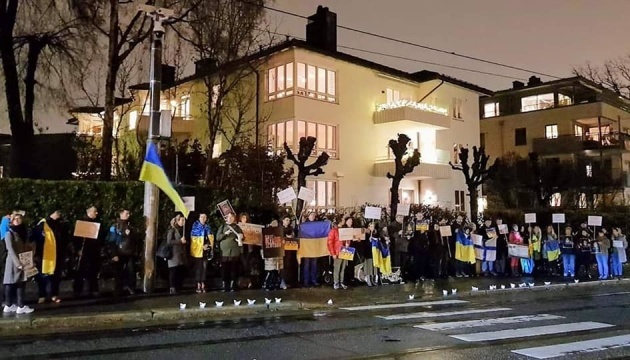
594	221
403	209
286	196
520	251
306	194
372	212
530	218
558	218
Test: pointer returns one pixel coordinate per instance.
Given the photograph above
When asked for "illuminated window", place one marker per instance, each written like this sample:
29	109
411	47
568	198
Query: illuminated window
564	100
280	81
491	109
316	82
460	203
325	193
578	130
556	200
133	120
184	107
291	131
551	131
589	170
457	108
537	102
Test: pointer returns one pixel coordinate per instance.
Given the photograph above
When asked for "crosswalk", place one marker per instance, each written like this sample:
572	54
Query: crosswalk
490	324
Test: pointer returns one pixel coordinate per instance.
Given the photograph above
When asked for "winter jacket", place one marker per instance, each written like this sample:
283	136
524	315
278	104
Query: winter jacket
173	238
334	244
604	244
567	246
119	242
621	252
228	242
15	246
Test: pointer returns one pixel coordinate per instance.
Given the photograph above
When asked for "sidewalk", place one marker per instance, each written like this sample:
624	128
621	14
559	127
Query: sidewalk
161	308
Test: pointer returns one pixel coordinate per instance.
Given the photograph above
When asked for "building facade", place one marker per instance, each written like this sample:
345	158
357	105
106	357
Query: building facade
568	119
352	106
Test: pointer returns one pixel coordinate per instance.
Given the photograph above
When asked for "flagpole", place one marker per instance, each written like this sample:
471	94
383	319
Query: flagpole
151	192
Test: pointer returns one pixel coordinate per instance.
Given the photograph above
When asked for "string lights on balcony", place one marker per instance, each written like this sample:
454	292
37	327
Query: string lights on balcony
413	105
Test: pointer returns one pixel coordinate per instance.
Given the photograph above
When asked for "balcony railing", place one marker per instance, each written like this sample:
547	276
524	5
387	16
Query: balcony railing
406	110
565	144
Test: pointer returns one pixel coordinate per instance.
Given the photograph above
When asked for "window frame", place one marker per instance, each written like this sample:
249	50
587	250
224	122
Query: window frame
328	144
537	105
495	111
328	186
516	136
549	131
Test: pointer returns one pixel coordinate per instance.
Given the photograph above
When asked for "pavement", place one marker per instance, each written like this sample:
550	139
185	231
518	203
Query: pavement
589	320
82	315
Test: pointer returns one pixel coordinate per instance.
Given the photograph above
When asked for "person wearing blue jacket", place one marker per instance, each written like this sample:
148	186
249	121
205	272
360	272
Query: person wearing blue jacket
4	229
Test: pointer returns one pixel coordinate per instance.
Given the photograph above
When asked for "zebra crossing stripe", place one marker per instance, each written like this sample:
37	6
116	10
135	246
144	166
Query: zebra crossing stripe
404	305
427	314
531	331
575	348
454	325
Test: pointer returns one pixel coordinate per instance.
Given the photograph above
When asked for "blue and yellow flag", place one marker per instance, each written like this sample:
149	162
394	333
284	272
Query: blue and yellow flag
313	239
153	172
464	249
552	248
380	256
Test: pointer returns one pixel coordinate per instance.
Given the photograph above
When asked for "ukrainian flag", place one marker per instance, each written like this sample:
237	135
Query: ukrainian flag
153	172
313	239
380	256
552	248
464	249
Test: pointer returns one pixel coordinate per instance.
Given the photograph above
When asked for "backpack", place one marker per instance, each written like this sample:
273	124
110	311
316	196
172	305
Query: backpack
165	251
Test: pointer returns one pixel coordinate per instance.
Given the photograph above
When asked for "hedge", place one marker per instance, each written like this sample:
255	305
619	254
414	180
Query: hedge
39	198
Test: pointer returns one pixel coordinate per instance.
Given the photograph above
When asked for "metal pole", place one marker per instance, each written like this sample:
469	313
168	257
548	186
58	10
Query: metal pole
151	193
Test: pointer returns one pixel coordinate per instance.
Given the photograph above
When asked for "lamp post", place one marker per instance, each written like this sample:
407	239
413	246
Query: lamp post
151	193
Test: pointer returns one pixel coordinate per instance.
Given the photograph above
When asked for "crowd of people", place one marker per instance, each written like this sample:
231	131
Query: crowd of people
415	247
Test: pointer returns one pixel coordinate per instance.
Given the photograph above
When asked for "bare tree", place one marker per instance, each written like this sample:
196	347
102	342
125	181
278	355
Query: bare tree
475	174
614	74
223	33
39	42
404	164
307	144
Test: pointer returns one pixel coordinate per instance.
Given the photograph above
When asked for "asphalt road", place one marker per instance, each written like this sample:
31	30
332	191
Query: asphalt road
580	323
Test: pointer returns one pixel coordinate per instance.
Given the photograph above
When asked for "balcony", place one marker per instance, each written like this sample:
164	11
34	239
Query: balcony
418	113
422	171
179	125
565	144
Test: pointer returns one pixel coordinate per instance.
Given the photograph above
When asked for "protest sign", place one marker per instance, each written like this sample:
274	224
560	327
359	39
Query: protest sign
530	218
445	231
594	221
272	243
403	210
225	208
347	253
372	212
306	194
252	234
558	218
286	196
348	234
86	229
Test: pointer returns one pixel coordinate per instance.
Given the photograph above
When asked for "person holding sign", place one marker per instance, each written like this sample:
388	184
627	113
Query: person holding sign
419	248
230	238
14	270
515	238
273	265
618	256
291	266
567	248
583	250
335	247
50	247
601	246
88	255
364	249
502	248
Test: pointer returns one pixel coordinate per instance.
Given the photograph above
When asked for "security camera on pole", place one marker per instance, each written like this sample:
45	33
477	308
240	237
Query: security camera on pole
158	121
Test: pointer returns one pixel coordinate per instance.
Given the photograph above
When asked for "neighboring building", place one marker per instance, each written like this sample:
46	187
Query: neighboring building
352	106
567	119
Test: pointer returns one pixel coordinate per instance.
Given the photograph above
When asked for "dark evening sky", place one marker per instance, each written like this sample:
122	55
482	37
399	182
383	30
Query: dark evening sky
541	35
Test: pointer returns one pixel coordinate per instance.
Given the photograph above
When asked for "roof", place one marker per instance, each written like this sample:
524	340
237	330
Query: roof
421	76
98	109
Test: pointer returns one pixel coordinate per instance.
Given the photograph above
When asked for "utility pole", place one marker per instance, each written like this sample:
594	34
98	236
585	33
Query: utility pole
151	192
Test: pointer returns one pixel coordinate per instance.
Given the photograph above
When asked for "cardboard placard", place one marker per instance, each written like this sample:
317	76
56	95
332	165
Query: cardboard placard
306	194
503	229
286	196
477	239
86	229
351	234
26	258
520	251
403	209
272	243
347	253
617	244
530	218
594	221
225	208
189	202
445	231
491	232
423	227
290	245
373	212
252	234
558	218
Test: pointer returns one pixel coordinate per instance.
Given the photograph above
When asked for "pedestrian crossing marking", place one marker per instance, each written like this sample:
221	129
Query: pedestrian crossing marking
404	305
421	315
454	325
575	348
531	331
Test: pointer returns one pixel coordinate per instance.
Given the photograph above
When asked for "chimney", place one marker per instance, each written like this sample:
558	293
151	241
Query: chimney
321	30
205	66
517	85
534	81
168	75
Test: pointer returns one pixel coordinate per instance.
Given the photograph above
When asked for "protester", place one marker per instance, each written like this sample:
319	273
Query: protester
177	263
14	279
583	254
515	238
364	248
310	263
88	258
552	250
291	266
601	246
334	248
464	251
50	247
201	247
230	238
488	234
439	253
381	259
568	253
5	223
419	248
273	268
123	245
400	242
618	256
502	249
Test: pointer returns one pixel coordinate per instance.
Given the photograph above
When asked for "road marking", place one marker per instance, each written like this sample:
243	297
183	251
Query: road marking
404	305
421	315
487	322
574	348
532	331
612	294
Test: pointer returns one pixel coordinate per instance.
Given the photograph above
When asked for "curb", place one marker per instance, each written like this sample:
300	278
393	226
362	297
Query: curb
14	325
551	287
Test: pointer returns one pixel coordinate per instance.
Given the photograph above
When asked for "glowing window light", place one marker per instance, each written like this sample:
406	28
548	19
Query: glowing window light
414	105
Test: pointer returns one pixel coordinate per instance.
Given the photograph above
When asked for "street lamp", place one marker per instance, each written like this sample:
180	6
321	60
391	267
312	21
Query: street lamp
151	193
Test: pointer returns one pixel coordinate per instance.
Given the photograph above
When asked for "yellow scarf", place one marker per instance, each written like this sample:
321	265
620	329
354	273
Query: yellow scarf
49	260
